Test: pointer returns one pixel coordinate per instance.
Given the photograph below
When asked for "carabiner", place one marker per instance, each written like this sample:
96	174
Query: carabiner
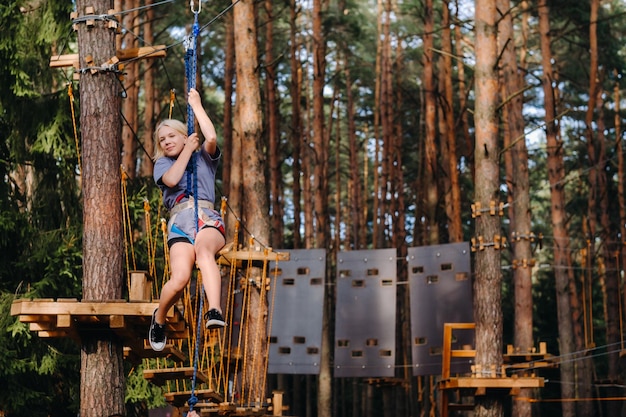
191	6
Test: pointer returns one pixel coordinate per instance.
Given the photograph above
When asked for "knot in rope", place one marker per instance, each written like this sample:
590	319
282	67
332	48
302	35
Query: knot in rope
192	401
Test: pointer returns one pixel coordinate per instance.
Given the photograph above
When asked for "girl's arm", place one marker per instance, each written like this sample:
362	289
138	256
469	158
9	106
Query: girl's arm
206	125
174	174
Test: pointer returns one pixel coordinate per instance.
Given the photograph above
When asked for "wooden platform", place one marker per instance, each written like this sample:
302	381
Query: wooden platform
72	318
491	381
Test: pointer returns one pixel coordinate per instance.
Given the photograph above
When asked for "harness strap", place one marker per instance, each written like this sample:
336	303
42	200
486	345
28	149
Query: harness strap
190	204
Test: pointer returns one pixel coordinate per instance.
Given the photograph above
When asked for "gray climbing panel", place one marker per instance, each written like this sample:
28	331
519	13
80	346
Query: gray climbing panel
297	293
365	318
440	292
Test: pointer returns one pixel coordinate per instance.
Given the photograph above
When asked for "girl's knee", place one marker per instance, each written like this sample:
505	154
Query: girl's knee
177	284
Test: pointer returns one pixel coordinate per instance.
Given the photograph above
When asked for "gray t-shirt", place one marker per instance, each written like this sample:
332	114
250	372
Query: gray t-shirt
206	167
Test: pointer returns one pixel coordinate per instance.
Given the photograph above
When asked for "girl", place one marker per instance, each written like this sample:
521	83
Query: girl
189	242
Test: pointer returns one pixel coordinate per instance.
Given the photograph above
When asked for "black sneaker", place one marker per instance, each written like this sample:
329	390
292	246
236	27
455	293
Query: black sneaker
214	319
156	335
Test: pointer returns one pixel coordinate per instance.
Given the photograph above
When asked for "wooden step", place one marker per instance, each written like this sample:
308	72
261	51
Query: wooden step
179	399
161	376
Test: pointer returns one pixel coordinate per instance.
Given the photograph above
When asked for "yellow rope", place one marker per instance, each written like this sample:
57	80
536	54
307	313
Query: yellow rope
230	307
128	241
259	360
246	306
270	318
150	240
172	98
166	256
70	93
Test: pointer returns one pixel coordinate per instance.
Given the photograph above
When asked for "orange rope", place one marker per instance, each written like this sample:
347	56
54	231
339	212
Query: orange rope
70	93
172	97
128	241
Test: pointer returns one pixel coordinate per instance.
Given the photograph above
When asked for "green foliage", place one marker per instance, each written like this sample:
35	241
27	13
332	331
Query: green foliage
35	371
141	394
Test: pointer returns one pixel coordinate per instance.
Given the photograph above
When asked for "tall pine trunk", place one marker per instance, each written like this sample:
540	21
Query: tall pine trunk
518	182
249	127
320	195
455	229
295	87
558	217
102	372
149	94
274	156
488	278
228	154
430	145
131	93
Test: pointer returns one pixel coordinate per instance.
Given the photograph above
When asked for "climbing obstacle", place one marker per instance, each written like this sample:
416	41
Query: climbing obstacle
483	381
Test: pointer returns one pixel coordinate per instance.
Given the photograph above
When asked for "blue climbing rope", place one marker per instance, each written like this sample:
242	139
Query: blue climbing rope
192	177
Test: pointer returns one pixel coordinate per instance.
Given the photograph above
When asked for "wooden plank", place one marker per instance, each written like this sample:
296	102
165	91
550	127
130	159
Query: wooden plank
64	320
463	353
155	51
161	376
85	308
38	327
35	318
117	321
179	399
72	60
493	383
253	255
136	352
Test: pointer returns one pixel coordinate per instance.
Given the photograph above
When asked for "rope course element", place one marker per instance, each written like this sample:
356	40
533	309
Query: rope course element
191	61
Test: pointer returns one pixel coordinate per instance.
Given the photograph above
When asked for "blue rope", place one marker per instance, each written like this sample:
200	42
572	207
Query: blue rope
190	72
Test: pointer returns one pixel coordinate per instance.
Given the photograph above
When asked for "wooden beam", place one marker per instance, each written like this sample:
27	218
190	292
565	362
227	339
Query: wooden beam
27	307
72	60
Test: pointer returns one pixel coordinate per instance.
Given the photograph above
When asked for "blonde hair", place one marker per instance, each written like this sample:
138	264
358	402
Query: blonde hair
177	125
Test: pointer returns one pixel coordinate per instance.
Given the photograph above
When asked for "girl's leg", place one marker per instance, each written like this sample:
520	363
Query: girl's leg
182	258
208	242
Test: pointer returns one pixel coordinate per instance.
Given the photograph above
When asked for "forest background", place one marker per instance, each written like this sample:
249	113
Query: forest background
368	141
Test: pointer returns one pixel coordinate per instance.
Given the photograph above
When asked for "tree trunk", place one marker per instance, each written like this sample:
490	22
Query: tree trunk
131	93
376	227
519	195
356	196
430	161
320	195
149	93
274	157
609	277
455	229
229	155
296	120
249	128
585	365
556	175
619	150
488	280
307	156
102	372
463	120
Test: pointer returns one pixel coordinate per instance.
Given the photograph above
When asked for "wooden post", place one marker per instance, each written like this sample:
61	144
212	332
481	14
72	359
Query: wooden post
140	287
